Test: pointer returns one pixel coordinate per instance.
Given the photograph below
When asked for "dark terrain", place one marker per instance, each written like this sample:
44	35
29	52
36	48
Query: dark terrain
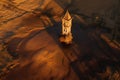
30	47
43	57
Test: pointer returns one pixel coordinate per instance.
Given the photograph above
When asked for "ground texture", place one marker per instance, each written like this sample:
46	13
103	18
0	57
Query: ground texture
30	44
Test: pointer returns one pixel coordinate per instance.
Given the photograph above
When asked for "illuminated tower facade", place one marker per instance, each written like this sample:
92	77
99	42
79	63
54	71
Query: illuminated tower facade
66	36
66	24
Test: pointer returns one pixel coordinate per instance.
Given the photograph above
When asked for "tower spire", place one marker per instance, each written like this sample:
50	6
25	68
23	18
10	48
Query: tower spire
67	16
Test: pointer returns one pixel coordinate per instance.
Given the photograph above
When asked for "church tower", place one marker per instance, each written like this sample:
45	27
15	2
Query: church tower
66	36
66	24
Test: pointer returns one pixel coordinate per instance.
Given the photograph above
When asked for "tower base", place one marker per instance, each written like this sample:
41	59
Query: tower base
67	39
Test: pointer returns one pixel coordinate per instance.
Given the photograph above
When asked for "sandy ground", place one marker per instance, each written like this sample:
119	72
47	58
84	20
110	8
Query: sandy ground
42	57
34	37
18	19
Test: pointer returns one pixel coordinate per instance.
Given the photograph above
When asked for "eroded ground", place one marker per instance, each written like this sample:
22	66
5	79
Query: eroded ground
31	41
44	58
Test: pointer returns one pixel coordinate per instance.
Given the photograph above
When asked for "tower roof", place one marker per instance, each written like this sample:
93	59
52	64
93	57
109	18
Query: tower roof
67	16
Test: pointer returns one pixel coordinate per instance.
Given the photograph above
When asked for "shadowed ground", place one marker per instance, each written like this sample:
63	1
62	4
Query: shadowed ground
42	57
